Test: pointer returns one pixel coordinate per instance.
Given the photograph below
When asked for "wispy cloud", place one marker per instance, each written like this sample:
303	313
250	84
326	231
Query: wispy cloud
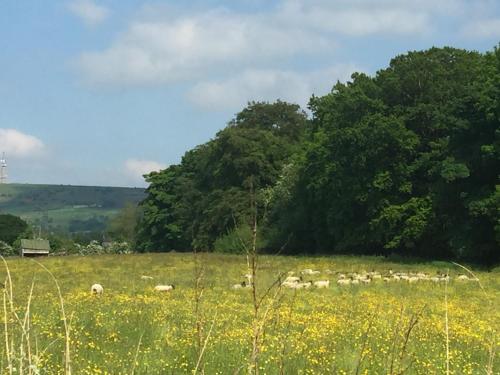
267	85
20	145
136	168
162	47
88	11
185	48
483	28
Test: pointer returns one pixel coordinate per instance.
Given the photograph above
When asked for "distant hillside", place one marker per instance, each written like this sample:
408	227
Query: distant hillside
64	208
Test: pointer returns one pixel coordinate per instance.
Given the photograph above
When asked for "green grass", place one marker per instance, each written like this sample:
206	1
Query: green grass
328	331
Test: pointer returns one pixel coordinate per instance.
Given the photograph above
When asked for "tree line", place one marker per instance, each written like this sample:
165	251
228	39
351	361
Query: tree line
405	161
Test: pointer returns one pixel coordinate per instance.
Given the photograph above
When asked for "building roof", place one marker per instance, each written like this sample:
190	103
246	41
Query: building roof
35	245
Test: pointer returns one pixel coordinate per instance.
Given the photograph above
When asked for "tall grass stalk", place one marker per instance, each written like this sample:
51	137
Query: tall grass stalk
492	346
446	324
136	356
199	273
67	346
202	351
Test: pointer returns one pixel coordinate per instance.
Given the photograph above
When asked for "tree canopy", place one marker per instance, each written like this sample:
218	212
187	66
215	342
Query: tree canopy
406	161
206	195
11	228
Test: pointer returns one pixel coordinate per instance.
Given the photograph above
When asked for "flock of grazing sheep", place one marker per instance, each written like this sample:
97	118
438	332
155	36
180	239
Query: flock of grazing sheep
343	279
354	278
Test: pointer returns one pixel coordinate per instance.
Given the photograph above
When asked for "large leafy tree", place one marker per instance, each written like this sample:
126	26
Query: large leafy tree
207	194
407	160
11	228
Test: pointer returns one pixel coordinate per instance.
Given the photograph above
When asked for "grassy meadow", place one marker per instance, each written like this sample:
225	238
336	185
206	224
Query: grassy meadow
380	328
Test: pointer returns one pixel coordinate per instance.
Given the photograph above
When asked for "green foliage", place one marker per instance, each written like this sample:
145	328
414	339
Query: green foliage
11	228
403	162
208	195
237	241
123	226
95	248
6	250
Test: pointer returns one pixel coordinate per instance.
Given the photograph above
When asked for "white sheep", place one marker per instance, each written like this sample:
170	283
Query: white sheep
342	282
305	285
322	284
97	289
144	277
463	278
366	280
164	288
309	271
293	279
239	286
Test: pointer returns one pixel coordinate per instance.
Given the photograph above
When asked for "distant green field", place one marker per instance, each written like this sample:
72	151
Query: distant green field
64	208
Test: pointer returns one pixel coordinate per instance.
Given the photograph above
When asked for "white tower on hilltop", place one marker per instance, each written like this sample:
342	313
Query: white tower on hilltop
3	169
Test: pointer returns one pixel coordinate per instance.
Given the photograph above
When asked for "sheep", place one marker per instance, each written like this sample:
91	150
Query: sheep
413	279
463	278
366	280
293	279
164	288
305	285
241	285
144	277
355	281
97	289
309	271
289	284
342	282
322	284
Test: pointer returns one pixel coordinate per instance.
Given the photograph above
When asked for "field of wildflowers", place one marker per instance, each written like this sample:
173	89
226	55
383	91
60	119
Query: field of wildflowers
380	328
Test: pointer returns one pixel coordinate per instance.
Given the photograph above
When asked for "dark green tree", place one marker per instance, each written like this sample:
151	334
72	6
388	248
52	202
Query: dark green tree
405	161
207	194
11	228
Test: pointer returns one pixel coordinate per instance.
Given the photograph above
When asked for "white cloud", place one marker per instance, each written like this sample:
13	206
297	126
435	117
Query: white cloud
483	28
136	168
17	144
358	18
184	48
267	85
88	11
167	46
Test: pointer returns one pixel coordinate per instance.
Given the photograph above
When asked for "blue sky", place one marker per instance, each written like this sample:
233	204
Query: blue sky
99	92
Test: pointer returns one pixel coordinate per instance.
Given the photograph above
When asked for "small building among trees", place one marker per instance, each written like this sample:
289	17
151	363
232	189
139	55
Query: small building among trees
35	248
